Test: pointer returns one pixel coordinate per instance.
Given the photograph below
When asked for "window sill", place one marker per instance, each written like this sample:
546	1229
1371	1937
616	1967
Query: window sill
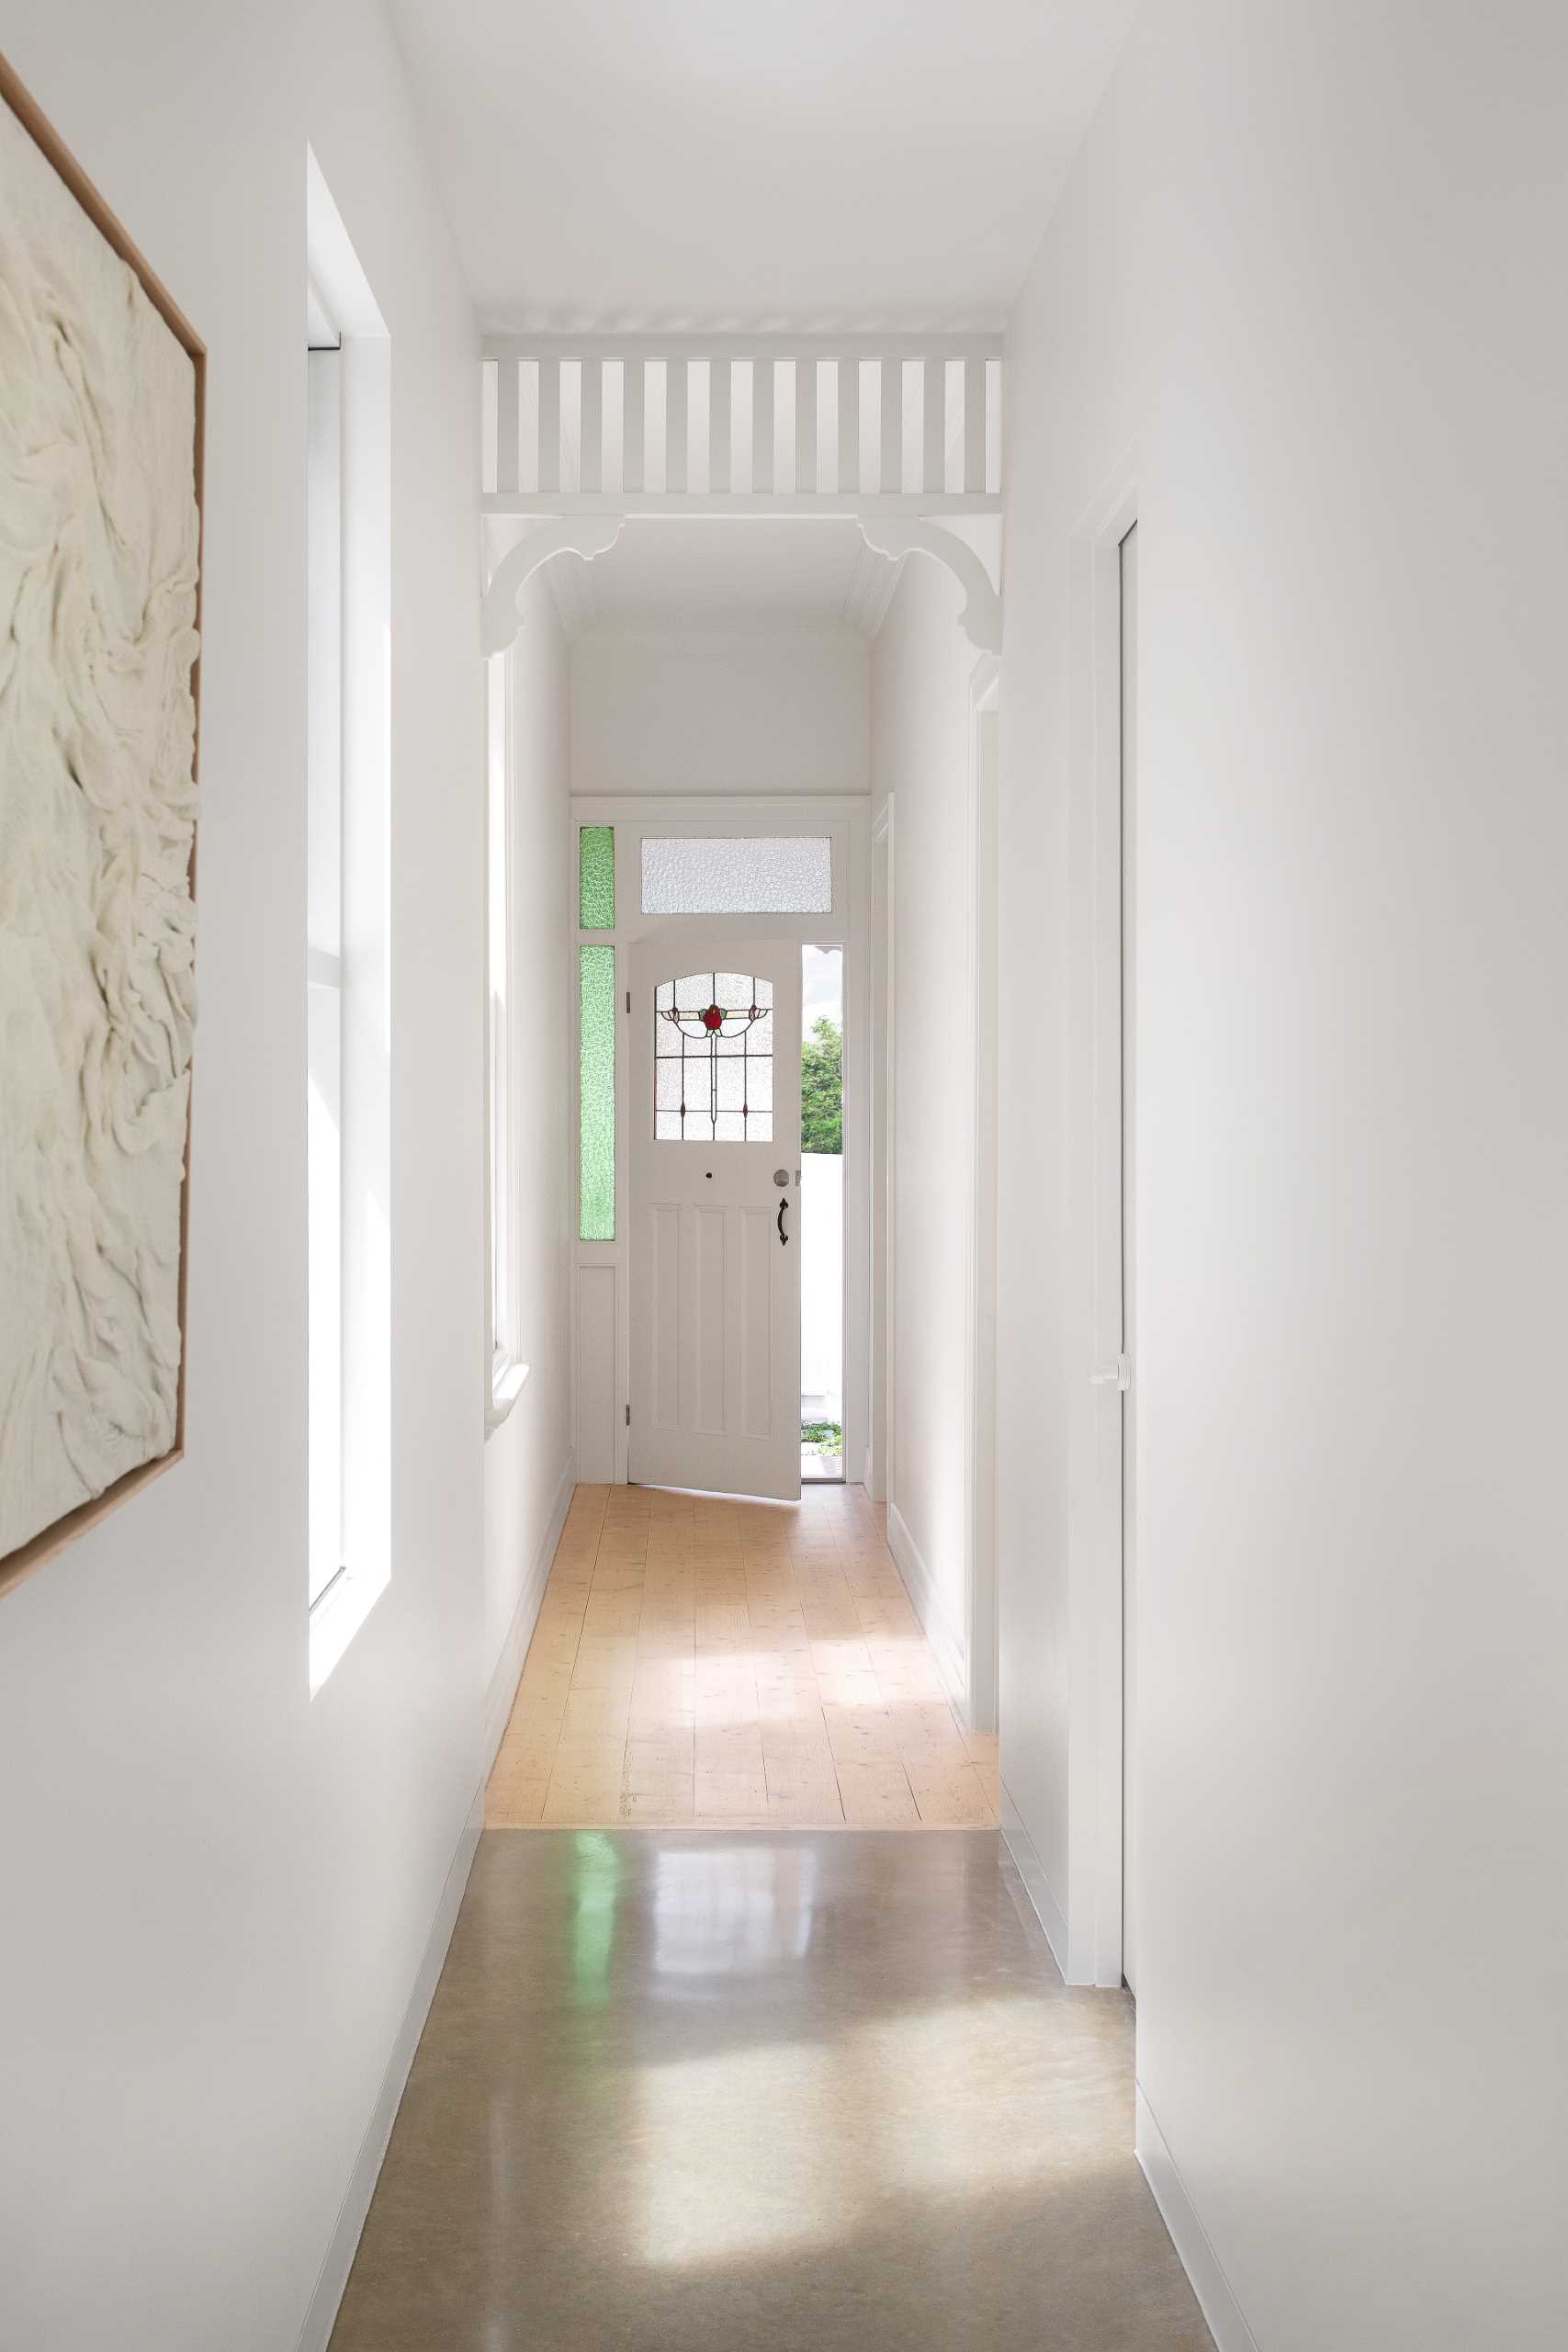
506	1386
338	1617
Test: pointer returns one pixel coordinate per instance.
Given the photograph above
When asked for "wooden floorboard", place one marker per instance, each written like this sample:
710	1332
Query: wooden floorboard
705	1663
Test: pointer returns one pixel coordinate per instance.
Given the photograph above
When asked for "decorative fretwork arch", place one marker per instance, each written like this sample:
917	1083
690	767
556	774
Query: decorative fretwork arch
585	536
898	434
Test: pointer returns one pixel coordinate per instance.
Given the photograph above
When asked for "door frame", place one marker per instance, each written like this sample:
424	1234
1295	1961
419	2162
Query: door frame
845	818
1096	1695
981	1629
883	1200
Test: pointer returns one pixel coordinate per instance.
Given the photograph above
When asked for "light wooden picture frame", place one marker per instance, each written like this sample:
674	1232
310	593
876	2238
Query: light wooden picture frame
34	1447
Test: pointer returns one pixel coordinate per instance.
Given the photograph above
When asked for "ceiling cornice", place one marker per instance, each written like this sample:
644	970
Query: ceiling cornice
870	590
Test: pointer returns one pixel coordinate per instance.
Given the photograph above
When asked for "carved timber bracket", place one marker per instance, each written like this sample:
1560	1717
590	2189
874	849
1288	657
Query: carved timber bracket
891	536
580	535
981	619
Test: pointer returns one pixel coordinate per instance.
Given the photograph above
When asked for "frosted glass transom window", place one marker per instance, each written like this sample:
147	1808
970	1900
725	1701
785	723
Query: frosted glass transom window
781	874
713	1060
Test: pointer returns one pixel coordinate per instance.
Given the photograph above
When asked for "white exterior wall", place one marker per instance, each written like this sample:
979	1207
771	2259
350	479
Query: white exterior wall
1309	273
822	1278
217	1891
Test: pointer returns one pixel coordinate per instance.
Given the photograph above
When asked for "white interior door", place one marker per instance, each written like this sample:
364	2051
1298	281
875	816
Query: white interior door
715	1168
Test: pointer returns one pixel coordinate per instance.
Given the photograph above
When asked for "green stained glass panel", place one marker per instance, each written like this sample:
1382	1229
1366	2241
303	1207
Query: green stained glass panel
597	1107
596	877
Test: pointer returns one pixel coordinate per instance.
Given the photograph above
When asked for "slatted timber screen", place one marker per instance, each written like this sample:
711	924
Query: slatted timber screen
615	420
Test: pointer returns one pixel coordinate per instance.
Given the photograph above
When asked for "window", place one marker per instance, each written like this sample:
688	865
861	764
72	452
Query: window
596	877
348	1032
596	1093
786	874
507	1373
596	1036
323	962
713	1060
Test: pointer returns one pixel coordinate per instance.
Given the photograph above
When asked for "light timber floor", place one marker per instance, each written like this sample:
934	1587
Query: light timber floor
703	1662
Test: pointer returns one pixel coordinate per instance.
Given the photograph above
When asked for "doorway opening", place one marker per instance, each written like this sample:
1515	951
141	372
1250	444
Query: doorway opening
822	1217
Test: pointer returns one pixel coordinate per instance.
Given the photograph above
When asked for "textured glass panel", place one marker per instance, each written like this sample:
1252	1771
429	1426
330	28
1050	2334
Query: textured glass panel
596	1075
596	877
713	1072
777	875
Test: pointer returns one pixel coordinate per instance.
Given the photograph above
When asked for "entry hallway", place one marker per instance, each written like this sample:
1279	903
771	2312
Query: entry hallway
702	1659
684	2092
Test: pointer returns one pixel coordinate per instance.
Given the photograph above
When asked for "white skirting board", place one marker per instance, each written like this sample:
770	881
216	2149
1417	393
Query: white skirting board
316	2334
946	1644
1201	2264
1031	1871
508	1672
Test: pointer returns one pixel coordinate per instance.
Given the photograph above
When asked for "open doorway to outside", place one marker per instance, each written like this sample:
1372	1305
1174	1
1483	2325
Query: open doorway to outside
822	1216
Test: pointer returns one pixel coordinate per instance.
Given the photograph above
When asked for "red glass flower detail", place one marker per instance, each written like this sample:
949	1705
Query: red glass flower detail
713	1018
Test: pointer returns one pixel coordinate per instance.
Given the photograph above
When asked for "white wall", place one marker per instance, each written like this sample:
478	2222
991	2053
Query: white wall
1311	271
217	1892
779	711
921	664
527	1465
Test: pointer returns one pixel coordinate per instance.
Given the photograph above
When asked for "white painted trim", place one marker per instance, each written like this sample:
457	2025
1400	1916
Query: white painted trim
505	1388
508	1670
844	816
743	505
721	812
587	526
1094	1224
1216	2298
870	590
583	535
880	1469
315	2336
678	342
981	619
980	1278
943	1637
1036	1886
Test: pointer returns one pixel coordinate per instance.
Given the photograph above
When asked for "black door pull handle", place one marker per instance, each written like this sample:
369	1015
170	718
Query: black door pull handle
782	1235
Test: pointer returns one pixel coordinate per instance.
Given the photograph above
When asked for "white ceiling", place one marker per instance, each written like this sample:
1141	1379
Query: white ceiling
736	576
627	163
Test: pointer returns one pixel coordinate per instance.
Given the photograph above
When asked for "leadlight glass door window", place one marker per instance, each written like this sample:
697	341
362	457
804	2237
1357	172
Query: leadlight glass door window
715	874
713	1058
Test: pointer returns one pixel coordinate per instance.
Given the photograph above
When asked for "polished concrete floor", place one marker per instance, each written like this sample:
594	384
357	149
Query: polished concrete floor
700	1658
781	2091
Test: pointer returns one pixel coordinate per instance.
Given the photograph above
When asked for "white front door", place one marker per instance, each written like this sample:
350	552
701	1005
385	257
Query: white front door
716	1214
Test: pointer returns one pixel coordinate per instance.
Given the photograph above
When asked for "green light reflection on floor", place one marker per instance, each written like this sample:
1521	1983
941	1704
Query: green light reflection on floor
596	1882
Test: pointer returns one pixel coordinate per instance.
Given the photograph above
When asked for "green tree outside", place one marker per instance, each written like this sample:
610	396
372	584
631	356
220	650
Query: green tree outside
822	1088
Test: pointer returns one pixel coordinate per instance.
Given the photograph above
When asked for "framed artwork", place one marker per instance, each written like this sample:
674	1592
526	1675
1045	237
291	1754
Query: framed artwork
101	384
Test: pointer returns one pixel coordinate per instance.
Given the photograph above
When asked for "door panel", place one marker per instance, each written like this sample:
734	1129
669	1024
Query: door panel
715	1077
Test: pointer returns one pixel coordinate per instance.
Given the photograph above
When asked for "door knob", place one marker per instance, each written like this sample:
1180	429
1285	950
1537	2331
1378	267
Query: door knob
781	1175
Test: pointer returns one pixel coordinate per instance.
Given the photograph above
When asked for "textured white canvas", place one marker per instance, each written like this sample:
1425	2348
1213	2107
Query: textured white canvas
98	552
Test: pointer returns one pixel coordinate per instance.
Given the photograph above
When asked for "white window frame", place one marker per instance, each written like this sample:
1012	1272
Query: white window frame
506	1370
350	1298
